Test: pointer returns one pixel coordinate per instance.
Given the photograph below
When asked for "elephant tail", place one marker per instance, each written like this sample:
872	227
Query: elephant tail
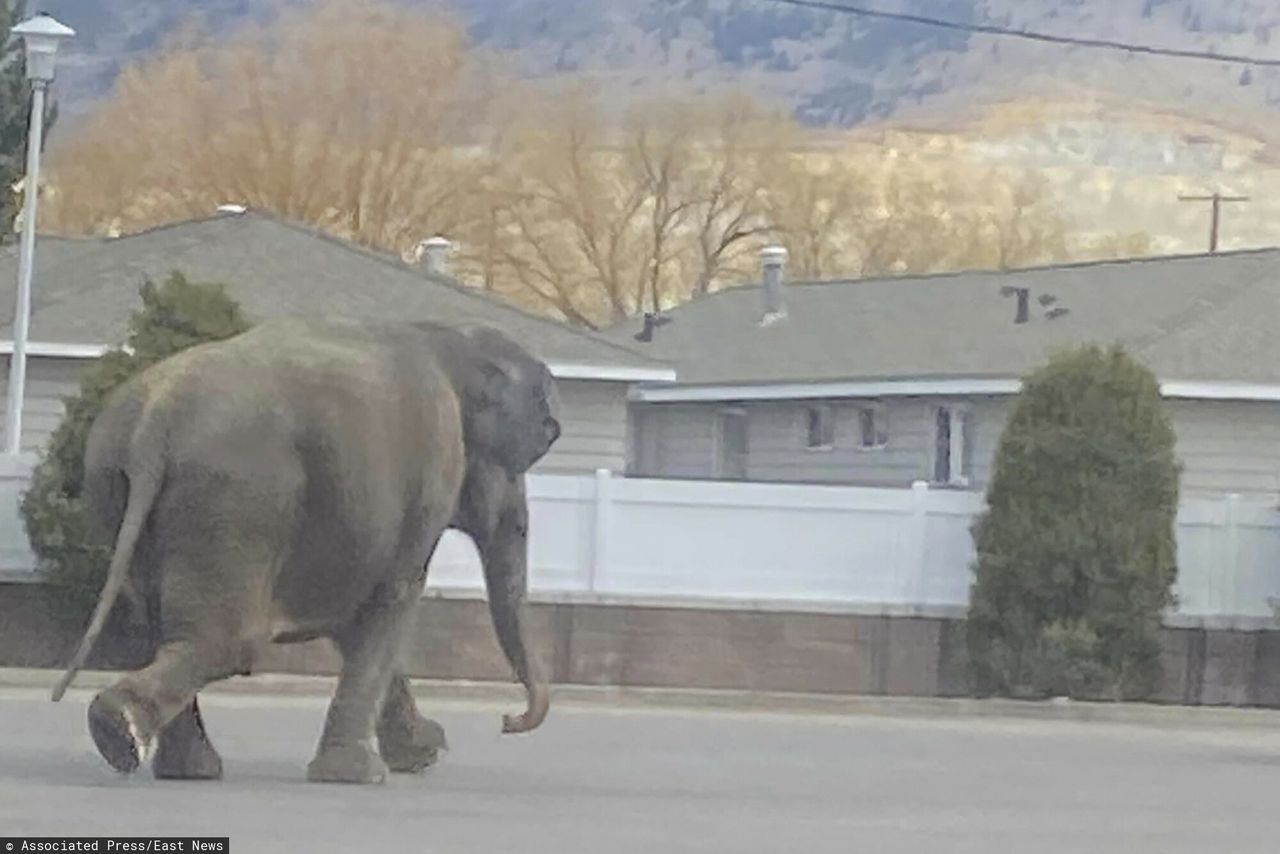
142	495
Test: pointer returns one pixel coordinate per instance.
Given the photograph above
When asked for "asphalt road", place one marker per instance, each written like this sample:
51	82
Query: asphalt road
599	780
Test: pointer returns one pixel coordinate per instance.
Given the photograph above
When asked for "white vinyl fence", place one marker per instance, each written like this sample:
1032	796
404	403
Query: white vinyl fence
775	546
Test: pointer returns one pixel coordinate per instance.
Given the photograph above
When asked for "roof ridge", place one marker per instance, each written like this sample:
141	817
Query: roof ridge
977	271
380	256
445	281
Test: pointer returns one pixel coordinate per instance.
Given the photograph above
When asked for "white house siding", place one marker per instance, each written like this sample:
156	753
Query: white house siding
593	416
1228	446
778	438
679	441
673	440
48	382
989	417
1224	446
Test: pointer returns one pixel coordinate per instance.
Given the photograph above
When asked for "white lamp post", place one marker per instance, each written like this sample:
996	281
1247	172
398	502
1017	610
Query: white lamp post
41	36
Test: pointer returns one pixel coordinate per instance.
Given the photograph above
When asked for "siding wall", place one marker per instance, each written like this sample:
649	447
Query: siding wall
678	441
594	415
674	440
48	381
778	437
593	428
1228	446
1225	446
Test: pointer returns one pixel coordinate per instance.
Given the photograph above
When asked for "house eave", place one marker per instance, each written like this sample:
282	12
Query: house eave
559	370
831	389
611	373
948	387
57	350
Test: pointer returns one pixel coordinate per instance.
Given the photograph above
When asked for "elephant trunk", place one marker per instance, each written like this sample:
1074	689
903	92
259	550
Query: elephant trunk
507	610
506	578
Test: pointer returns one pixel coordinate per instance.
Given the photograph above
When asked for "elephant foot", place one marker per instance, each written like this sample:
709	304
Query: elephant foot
413	746
197	762
114	727
347	763
179	758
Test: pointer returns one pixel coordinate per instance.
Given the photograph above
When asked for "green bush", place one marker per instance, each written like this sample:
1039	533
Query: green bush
72	556
1076	552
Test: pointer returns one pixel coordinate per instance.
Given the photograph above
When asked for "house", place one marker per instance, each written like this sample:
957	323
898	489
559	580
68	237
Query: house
86	289
883	382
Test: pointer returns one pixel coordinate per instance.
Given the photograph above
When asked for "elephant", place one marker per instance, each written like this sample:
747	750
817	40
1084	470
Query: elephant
291	483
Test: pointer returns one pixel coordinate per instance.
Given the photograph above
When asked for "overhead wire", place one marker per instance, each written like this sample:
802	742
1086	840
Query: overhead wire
990	29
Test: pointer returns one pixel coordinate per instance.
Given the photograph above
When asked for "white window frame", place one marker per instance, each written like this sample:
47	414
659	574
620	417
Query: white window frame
718	443
961	419
825	411
879	426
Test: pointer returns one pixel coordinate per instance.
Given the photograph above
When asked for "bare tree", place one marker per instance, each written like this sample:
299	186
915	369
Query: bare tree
560	201
365	132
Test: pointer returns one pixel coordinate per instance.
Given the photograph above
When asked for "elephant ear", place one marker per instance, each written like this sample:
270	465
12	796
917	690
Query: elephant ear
497	375
496	372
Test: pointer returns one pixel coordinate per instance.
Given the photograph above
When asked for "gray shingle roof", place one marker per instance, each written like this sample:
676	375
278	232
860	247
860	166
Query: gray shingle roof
85	289
1198	317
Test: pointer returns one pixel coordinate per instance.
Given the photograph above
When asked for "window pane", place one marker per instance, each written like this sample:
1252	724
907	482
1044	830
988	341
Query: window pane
820	426
733	445
942	447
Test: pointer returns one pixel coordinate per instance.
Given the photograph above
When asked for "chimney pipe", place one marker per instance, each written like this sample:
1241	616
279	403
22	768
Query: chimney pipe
1024	302
646	333
772	261
434	254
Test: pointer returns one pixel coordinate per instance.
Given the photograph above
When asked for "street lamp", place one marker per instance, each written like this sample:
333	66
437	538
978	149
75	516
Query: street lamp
41	35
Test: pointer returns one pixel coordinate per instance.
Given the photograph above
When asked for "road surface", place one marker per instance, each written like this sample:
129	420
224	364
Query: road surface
597	780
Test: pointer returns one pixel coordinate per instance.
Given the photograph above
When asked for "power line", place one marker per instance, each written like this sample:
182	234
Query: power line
1027	34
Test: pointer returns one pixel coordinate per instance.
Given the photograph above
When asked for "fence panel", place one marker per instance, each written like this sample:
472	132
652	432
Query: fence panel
776	543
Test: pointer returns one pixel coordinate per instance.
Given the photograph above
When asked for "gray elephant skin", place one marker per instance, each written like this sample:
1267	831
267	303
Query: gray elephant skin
292	483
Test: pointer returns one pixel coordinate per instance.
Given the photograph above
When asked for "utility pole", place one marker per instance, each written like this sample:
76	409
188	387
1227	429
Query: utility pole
1217	199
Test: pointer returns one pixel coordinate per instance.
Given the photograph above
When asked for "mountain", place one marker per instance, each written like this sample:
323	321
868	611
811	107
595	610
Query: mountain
833	69
1118	136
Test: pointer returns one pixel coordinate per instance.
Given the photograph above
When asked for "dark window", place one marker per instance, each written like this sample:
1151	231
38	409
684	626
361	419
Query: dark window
942	446
820	427
871	428
733	445
953	445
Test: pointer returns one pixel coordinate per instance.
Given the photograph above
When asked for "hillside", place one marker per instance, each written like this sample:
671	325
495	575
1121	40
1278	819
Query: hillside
1117	136
834	69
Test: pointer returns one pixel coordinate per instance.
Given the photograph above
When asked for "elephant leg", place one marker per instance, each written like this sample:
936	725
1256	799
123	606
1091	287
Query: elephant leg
209	614
125	719
184	751
346	752
407	741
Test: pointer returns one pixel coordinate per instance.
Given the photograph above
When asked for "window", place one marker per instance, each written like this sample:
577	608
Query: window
872	432
952	446
820	427
731	451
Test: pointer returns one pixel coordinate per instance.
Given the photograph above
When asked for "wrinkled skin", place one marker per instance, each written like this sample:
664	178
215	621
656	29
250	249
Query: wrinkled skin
292	483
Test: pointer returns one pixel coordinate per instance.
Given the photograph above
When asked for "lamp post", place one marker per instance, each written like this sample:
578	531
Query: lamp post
41	36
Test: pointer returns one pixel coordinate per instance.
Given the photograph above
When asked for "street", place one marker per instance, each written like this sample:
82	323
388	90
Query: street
595	780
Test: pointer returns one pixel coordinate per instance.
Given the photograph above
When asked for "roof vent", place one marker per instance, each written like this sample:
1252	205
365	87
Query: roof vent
1023	295
651	322
433	254
231	209
772	261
